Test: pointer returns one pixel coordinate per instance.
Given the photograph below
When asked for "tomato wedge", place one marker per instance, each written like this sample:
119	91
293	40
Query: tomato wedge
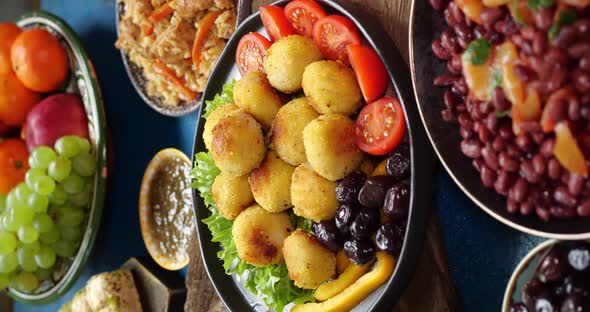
369	69
380	126
332	34
276	23
251	52
303	14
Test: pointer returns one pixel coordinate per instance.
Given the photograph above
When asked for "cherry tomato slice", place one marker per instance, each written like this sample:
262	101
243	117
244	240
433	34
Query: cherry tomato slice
303	14
251	52
380	126
332	34
369	69
276	23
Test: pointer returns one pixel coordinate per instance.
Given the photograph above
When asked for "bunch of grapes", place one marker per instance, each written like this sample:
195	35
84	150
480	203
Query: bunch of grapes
43	218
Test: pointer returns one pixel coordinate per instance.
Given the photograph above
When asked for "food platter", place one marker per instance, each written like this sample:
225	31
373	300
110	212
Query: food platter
82	81
231	291
445	137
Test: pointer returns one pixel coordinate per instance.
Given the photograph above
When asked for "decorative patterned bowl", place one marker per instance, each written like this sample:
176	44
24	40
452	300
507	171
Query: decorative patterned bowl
82	81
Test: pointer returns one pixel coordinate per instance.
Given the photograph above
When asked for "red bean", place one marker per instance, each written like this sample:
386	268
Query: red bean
447	40
454	65
539	164
491	122
562	196
477	163
437	4
445	80
553	169
578	49
463	32
582	81
557	55
511	205
507	163
490	157
526	208
439	51
488	176
449	18
503	182
523	73
523	142
498	144
447	115
584	208
538	137
484	134
499	100
543	18
556	109
519	190
582	26
585	62
456	12
528	172
539	43
566	36
547	148
575	184
471	148
506	132
561	212
543	213
558	77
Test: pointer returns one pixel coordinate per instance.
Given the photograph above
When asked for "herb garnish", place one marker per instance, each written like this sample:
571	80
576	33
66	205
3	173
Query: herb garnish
564	17
539	4
478	51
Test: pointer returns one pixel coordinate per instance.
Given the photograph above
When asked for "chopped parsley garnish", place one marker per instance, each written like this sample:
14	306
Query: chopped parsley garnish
478	51
564	17
502	114
539	4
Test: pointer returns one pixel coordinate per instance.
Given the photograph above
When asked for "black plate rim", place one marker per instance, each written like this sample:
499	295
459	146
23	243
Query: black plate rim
458	182
423	164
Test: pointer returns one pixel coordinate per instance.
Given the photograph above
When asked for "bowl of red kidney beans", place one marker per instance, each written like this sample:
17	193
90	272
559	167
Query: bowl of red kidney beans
554	276
503	88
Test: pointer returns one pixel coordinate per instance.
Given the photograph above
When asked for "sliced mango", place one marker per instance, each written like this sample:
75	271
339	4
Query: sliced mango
357	292
380	169
347	278
495	3
567	151
471	8
479	78
342	262
513	87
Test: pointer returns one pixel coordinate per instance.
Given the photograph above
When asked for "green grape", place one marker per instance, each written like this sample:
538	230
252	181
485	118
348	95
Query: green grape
44	274
25	282
7	242
73	184
83	198
26	260
71	233
63	249
8	223
67	146
44	185
84	164
45	258
60	169
2	202
22	216
12	200
33	247
38	203
69	216
27	234
4	281
42	223
8	263
23	192
32	176
84	145
50	237
41	157
59	195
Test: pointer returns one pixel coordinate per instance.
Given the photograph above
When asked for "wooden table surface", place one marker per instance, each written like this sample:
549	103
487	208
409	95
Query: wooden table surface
431	288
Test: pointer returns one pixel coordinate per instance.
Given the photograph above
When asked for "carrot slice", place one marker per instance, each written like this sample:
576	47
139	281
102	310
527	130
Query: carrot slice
147	28
201	36
161	12
163	70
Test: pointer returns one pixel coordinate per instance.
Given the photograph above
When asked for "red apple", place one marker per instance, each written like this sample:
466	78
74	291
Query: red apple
55	116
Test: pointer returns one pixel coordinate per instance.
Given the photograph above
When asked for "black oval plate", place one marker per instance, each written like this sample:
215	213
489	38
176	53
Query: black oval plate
135	74
425	26
235	297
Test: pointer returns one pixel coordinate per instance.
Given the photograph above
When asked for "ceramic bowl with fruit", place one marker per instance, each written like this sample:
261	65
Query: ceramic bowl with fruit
554	276
53	158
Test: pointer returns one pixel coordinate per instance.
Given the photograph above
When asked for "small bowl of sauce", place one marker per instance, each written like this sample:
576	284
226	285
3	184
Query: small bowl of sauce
166	208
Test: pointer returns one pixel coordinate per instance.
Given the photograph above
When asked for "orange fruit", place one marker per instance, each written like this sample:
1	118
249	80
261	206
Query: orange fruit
8	33
39	60
13	164
15	100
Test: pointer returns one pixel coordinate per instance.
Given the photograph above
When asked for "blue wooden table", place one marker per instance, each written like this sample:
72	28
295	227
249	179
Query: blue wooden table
482	252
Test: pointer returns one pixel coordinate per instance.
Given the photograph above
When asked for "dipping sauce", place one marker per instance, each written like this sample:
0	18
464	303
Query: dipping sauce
166	209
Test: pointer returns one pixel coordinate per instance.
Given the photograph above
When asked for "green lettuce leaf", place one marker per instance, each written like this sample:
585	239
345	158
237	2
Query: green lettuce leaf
271	283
